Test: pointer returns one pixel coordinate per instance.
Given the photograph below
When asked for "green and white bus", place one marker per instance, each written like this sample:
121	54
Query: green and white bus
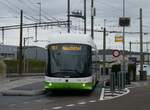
70	64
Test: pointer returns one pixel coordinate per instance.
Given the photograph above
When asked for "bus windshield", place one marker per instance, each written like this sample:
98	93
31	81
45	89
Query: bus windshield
69	60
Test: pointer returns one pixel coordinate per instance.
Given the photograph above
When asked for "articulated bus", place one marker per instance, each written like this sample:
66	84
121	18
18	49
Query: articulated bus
70	64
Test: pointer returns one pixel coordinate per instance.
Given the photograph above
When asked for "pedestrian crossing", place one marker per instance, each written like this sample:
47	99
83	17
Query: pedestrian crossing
107	94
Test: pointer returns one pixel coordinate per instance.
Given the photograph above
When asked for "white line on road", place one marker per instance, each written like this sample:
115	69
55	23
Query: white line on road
145	84
44	109
81	103
119	95
102	94
70	105
26	102
12	105
92	101
56	108
39	100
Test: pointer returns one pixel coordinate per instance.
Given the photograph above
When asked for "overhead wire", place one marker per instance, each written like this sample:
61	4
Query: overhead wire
17	10
33	9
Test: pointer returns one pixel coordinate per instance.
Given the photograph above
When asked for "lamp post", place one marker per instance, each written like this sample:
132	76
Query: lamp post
24	42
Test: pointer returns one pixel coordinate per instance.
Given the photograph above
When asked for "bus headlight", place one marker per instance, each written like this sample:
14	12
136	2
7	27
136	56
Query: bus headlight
50	84
83	85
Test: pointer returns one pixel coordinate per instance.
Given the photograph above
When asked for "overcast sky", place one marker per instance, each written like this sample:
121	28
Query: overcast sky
110	10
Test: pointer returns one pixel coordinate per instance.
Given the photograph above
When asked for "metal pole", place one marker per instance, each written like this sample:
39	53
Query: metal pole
39	12
92	18
141	43
147	53
68	16
104	50
2	35
84	16
123	53
130	48
123	38
24	54
36	33
20	46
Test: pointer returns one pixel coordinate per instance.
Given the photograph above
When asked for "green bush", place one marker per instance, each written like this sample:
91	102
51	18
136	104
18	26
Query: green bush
35	66
2	69
32	66
12	66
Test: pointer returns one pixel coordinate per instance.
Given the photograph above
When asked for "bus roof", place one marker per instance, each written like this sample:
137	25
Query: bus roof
71	38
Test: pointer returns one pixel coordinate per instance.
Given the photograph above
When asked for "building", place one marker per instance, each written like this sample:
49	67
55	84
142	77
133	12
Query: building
29	52
110	57
8	51
34	52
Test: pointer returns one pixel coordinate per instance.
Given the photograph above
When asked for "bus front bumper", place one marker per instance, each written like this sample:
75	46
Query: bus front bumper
68	86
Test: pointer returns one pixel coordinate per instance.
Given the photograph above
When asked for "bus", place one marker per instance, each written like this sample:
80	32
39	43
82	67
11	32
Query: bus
72	63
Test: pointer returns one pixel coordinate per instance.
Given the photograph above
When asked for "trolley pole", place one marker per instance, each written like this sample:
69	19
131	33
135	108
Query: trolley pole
20	46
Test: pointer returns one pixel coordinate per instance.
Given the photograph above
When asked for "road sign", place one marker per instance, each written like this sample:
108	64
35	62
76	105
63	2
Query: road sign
118	38
116	53
124	21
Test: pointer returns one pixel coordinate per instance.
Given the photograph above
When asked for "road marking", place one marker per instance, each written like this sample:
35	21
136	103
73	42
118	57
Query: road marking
92	101
44	109
12	105
81	103
145	84
56	108
137	84
38	100
102	94
70	105
127	91
26	102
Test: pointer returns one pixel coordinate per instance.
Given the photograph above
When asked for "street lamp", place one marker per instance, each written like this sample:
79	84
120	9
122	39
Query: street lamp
26	38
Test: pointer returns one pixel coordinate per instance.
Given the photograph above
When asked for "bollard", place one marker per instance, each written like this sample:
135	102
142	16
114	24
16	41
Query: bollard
112	82
119	82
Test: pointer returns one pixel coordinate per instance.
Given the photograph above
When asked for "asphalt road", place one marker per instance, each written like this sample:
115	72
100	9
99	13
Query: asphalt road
137	99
